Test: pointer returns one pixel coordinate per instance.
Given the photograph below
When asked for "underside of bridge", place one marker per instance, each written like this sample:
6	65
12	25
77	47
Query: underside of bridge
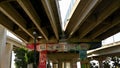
92	21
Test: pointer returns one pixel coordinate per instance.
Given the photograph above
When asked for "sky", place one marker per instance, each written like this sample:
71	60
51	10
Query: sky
64	4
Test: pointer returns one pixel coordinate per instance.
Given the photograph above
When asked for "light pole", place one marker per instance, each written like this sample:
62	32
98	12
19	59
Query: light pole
35	38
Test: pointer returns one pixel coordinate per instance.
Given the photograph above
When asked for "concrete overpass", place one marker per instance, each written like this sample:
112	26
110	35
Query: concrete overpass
92	21
22	17
109	50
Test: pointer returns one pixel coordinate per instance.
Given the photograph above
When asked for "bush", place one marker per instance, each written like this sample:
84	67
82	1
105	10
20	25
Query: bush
23	57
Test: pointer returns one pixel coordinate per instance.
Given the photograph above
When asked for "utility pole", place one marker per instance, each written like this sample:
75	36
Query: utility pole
35	38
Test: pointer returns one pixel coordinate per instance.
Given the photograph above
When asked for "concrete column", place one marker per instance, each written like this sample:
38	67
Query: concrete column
74	65
100	64
30	65
67	65
88	65
71	64
2	46
59	64
84	63
8	55
100	59
54	65
64	64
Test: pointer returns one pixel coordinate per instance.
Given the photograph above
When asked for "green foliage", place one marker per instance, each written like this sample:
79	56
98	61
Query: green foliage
20	59
115	60
30	56
23	57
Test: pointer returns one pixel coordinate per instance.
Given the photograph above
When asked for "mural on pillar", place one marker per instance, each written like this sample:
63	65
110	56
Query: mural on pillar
42	59
80	48
65	47
68	47
57	47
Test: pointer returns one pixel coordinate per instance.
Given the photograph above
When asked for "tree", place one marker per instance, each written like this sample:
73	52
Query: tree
23	57
30	56
20	57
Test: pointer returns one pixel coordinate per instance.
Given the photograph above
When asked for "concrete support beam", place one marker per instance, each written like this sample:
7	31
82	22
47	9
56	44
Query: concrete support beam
30	65
59	64
51	16
11	13
85	63
28	8
2	46
83	10
15	42
64	65
115	22
4	21
55	65
74	64
67	65
105	50
7	55
101	17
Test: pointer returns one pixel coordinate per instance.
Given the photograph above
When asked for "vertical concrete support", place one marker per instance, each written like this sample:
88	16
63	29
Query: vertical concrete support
64	64
67	65
71	64
54	65
100	64
84	63
100	59
30	65
88	65
2	46
74	65
7	55
59	64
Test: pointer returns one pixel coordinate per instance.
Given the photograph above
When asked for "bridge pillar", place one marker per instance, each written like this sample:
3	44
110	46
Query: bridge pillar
5	49
84	63
8	55
67	64
73	64
2	45
54	65
59	64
